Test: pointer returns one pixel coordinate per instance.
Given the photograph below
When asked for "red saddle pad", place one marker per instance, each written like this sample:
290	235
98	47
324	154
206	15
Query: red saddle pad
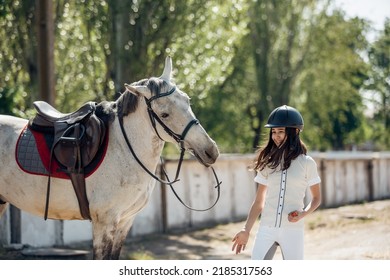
32	153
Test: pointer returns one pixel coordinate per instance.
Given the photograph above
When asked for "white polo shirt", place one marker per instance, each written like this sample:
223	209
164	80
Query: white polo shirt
286	191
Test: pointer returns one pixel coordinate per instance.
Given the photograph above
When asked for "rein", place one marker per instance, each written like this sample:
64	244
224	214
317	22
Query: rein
218	187
179	138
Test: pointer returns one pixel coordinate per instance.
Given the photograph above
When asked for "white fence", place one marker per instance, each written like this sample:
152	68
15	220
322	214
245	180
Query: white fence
346	178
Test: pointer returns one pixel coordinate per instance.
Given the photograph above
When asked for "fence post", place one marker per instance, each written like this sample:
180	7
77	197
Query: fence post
370	179
323	182
15	221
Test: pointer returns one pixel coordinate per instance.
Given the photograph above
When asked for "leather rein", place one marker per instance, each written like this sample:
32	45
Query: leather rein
179	138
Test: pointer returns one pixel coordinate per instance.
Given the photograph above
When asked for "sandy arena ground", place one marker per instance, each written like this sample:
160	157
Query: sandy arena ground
353	232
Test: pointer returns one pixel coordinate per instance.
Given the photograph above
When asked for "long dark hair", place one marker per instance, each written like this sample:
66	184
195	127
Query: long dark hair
271	155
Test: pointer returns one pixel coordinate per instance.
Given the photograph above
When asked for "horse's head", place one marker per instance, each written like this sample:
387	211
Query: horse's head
172	117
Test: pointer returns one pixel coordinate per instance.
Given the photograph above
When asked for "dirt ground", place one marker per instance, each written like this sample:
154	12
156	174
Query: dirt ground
353	232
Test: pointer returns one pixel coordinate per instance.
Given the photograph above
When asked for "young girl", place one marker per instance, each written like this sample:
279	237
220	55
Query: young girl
284	172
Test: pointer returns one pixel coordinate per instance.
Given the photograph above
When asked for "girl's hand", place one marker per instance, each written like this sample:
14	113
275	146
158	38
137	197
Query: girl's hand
294	216
240	240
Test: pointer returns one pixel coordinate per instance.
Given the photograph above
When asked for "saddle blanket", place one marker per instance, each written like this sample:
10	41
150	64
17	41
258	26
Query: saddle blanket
32	153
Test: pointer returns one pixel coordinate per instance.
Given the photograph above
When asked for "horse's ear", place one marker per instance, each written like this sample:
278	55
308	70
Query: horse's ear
166	75
139	90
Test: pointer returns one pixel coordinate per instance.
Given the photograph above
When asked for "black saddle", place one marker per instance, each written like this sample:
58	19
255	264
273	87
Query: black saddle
49	115
77	139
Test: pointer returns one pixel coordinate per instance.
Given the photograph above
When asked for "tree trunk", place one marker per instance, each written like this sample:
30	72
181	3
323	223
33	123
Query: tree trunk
45	31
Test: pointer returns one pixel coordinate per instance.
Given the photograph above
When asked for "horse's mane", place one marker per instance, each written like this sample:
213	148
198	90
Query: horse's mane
127	103
105	112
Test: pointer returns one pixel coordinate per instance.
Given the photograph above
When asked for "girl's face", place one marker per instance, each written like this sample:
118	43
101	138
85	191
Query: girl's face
278	135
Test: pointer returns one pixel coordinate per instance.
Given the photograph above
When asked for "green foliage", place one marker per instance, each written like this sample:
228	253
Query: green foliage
80	53
378	86
328	87
205	70
17	53
236	59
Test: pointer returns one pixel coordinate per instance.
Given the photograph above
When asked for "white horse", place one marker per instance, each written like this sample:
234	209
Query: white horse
120	187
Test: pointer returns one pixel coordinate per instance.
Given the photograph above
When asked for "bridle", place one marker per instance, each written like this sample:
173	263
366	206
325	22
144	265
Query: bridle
179	138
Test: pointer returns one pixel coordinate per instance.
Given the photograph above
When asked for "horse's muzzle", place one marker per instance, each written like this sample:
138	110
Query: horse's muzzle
208	156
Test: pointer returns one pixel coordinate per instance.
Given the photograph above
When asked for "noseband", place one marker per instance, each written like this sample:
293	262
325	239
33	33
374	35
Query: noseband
179	138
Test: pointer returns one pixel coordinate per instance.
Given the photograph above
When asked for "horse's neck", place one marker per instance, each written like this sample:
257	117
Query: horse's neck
143	139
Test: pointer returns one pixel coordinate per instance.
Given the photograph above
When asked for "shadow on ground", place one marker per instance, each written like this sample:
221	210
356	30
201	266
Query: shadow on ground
350	232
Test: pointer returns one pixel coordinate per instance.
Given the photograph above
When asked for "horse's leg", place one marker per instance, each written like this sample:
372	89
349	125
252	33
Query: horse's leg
103	239
120	237
108	238
3	207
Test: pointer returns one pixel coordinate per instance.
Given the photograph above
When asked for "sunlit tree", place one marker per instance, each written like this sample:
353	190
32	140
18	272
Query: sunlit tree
378	85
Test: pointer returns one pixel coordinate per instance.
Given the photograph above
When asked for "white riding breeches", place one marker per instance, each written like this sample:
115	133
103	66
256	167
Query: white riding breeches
267	239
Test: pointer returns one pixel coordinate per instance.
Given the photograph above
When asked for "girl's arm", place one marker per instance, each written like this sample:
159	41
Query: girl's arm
315	202
241	238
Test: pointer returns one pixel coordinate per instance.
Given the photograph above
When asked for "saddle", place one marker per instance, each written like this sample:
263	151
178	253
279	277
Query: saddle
77	139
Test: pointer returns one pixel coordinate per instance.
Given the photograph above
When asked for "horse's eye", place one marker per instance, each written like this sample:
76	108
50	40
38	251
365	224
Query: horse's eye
164	115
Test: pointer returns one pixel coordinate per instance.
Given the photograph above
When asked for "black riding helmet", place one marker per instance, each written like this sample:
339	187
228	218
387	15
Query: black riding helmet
285	116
